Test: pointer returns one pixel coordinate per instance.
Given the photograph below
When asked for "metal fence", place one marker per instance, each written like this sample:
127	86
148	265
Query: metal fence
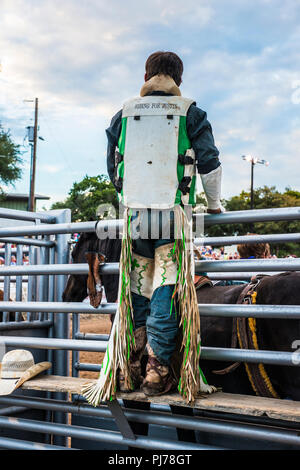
45	240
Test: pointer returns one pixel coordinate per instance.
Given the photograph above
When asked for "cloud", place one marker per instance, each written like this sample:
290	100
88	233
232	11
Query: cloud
84	58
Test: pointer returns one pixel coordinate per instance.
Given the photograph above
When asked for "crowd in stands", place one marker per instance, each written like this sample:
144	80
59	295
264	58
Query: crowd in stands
233	252
13	256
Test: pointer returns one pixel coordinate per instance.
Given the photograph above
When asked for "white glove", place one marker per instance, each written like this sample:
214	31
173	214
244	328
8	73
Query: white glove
211	183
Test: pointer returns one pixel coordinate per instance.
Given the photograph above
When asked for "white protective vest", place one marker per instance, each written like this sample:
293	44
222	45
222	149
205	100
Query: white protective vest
150	172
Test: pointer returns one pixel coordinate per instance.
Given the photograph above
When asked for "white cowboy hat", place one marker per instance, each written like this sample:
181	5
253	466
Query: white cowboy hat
17	366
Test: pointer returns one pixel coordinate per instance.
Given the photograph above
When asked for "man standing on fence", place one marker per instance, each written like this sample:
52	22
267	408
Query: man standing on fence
156	144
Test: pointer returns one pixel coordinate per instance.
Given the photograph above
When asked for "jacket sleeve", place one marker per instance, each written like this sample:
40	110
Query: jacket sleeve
113	133
200	134
207	155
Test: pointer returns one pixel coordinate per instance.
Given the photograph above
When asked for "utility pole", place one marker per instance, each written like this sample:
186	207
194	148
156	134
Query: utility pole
33	158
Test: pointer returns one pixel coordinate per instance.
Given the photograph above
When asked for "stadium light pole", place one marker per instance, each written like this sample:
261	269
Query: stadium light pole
253	161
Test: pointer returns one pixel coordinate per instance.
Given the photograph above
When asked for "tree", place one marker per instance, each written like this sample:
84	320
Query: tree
10	160
264	198
86	196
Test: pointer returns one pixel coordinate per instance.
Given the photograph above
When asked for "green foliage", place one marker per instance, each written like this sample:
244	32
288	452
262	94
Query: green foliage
264	198
86	196
10	160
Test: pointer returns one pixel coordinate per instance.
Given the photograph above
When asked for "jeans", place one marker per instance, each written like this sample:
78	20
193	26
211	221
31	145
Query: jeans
156	314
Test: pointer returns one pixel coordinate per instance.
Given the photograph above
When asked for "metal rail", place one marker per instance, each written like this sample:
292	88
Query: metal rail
28	241
256	215
18	444
93	434
163	419
208	353
240	265
24	215
260	215
249	239
207	310
24	325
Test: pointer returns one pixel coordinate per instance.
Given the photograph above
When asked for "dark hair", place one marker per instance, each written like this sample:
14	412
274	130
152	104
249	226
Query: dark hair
167	63
255	250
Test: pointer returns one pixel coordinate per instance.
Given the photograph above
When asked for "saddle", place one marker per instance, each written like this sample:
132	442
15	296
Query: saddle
244	333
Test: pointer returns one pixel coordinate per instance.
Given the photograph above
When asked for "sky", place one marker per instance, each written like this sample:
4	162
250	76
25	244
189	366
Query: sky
84	58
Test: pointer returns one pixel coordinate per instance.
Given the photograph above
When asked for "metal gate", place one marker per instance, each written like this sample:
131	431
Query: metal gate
41	323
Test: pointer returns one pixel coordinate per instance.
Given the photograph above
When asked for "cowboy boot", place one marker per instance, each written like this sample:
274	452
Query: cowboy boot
159	378
140	340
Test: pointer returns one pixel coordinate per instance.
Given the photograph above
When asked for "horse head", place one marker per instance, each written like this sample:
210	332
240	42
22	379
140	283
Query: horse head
89	248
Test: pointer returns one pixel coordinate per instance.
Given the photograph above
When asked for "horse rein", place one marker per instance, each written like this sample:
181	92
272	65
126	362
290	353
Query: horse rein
244	332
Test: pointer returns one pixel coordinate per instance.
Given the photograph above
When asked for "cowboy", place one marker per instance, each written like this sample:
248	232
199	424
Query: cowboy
156	143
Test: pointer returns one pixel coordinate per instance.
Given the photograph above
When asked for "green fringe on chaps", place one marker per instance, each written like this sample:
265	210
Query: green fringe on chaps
192	380
121	341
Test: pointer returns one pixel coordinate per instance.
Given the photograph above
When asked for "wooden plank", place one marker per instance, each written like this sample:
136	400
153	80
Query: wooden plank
56	383
225	402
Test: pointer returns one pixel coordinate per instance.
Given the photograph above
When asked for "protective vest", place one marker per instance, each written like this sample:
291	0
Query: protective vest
155	164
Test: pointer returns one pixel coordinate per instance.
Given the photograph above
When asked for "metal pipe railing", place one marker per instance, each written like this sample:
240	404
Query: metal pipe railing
18	444
28	241
208	310
11	410
251	216
213	276
238	276
244	265
24	325
59	228
234	217
207	353
25	215
92	337
87	367
98	435
164	419
239	265
249	239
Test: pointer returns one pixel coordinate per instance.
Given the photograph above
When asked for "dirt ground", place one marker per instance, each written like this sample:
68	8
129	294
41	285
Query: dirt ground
95	324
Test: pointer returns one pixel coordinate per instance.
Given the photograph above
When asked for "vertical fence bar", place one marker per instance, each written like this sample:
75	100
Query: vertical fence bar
6	293
46	286
75	325
30	290
51	299
19	285
50	296
61	321
75	354
42	293
36	282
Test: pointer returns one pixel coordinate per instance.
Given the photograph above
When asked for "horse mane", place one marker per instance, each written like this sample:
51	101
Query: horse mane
111	248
